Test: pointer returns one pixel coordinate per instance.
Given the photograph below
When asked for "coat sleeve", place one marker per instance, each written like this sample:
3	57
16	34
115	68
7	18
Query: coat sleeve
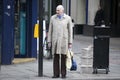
70	30
50	32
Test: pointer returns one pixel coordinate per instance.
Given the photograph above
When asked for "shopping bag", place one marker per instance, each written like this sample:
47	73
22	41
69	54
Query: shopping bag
69	55
74	65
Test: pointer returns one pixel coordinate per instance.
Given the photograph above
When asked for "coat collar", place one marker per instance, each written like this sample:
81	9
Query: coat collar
63	17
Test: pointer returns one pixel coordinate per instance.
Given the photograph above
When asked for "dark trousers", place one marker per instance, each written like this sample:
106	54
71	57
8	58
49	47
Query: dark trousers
56	65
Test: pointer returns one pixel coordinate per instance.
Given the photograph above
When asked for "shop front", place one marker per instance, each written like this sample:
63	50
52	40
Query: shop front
19	18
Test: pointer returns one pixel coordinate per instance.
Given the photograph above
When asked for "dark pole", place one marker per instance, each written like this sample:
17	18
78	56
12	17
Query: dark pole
69	7
40	59
87	11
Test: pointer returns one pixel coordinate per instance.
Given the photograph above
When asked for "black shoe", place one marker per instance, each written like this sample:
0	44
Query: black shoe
63	76
55	76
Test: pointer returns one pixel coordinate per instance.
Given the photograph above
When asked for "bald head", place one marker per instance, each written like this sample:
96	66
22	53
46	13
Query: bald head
59	9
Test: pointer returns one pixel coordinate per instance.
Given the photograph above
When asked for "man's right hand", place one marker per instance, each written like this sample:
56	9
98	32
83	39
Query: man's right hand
49	45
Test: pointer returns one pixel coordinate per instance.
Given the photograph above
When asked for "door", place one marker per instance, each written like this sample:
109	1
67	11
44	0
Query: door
118	17
112	17
20	28
115	17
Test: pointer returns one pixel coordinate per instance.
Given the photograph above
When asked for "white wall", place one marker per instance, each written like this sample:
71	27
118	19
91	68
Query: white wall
73	9
65	3
78	11
81	11
92	8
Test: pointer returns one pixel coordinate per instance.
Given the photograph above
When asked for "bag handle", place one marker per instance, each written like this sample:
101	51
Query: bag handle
70	52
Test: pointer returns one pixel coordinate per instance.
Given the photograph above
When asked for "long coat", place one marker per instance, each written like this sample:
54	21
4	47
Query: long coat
99	17
60	33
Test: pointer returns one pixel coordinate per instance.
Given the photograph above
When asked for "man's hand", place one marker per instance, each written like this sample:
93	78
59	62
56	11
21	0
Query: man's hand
49	45
69	45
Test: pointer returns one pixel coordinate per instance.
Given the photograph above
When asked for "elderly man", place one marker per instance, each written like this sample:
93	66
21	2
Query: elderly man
60	38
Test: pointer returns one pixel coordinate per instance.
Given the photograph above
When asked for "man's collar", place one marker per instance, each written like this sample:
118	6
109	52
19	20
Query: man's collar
61	16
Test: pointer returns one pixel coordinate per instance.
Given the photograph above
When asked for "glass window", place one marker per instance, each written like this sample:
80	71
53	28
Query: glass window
20	27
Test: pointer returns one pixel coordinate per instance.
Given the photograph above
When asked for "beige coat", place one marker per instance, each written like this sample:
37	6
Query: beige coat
60	33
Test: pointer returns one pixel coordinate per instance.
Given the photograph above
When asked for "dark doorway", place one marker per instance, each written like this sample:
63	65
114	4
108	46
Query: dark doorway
20	28
112	17
106	5
54	5
115	18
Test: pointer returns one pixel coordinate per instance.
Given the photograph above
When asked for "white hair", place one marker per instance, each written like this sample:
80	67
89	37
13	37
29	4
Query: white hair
60	7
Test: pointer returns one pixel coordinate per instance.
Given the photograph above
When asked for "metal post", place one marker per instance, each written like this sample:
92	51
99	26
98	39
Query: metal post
40	61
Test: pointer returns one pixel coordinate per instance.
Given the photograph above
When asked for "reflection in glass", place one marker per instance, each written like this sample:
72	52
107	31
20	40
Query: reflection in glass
20	27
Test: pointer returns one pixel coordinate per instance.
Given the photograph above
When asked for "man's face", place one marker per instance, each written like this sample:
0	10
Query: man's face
59	11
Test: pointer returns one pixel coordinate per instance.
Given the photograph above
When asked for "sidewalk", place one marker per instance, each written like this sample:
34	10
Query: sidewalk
29	70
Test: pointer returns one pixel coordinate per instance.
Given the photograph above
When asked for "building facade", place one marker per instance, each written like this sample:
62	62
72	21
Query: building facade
18	20
18	17
83	12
